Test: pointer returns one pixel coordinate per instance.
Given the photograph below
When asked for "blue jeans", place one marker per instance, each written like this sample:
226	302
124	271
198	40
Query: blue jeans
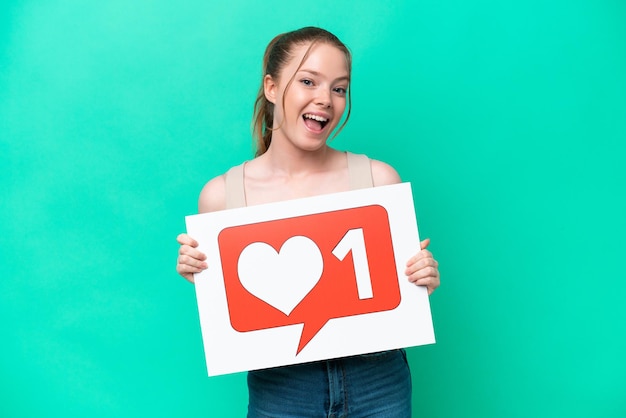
372	385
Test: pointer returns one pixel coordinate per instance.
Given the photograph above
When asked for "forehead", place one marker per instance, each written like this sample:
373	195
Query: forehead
323	58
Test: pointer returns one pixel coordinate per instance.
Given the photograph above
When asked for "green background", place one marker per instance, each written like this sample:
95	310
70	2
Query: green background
508	117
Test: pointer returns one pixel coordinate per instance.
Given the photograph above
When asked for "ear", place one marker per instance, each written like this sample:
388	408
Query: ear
270	87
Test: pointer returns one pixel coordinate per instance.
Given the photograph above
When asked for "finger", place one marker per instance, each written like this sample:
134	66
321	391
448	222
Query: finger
187	271
422	253
424	273
431	283
189	264
431	280
419	266
184	239
420	263
191	252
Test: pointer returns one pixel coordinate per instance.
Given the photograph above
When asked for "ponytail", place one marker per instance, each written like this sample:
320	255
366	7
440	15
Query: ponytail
263	116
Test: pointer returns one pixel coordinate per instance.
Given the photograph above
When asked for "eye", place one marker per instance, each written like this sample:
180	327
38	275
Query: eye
340	90
306	82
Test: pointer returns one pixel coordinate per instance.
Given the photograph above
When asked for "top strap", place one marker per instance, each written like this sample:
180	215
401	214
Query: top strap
359	171
235	192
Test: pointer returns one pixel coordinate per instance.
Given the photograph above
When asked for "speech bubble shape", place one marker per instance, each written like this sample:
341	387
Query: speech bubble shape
339	292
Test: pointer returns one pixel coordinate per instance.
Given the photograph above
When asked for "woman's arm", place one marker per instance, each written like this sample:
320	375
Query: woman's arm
190	260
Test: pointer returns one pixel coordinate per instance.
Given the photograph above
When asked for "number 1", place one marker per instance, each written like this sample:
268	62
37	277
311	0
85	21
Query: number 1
355	242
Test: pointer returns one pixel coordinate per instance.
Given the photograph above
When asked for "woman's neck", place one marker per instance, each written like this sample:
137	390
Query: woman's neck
294	162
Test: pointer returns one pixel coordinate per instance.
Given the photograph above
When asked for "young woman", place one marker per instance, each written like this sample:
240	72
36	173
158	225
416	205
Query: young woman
303	96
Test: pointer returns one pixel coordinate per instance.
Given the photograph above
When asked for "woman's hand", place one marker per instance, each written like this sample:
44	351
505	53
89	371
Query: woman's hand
422	269
190	260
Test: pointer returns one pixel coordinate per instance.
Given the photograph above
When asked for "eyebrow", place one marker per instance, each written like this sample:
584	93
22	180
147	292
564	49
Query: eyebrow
315	73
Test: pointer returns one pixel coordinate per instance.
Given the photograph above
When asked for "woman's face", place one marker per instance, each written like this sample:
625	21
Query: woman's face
315	99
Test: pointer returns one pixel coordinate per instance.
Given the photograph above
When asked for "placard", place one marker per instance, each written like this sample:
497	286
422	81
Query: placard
309	279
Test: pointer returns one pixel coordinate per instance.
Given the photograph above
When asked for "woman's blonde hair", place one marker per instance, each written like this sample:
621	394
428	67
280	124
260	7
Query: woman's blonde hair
277	55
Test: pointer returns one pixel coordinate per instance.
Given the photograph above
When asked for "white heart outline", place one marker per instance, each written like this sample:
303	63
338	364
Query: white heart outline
281	279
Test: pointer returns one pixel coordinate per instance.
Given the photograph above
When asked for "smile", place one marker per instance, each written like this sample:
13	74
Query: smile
314	122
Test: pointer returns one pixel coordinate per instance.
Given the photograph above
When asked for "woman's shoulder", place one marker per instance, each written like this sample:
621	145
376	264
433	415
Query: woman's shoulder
383	174
213	195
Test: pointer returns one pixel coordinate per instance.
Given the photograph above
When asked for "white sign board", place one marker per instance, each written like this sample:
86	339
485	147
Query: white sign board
309	279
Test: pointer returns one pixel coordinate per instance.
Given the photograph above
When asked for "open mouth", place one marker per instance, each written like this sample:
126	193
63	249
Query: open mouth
314	122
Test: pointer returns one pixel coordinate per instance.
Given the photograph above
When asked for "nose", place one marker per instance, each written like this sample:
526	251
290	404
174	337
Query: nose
323	98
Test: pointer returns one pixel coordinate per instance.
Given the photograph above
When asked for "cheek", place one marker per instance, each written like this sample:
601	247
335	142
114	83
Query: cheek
282	106
295	95
340	105
295	101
